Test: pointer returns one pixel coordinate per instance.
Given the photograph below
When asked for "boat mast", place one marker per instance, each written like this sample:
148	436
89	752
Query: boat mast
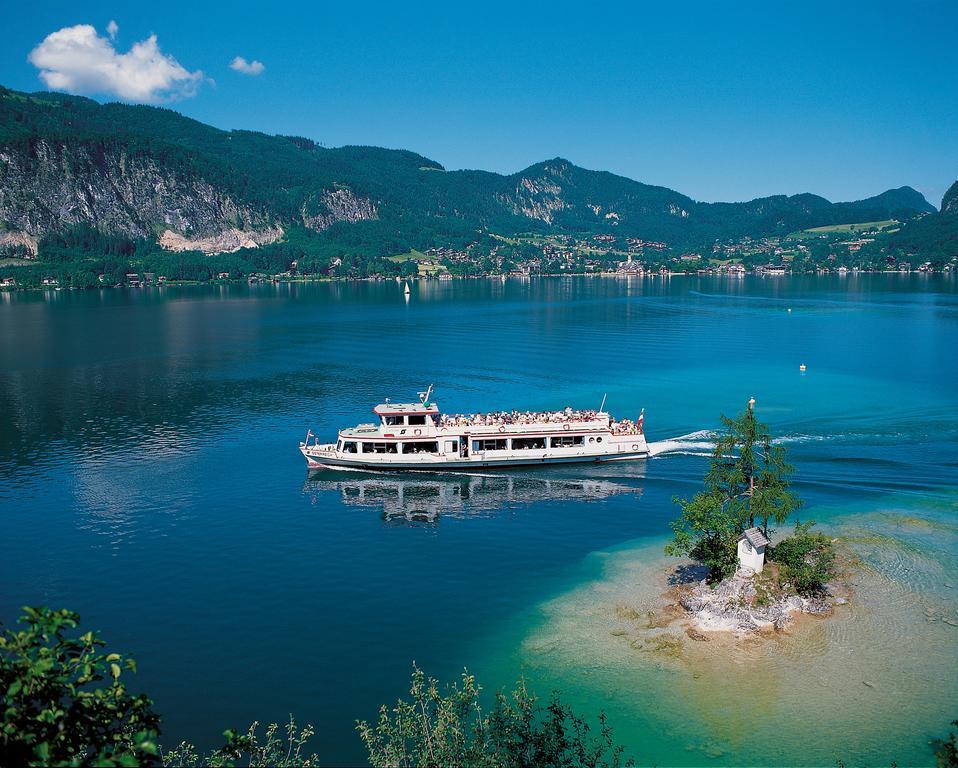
602	407
424	396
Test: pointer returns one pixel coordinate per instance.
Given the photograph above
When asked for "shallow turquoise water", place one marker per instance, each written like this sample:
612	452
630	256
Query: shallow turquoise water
149	476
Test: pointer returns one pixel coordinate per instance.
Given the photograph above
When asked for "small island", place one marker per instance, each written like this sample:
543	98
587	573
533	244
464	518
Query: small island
739	580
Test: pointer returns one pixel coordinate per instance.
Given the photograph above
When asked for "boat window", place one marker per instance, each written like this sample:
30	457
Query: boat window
379	448
348	447
416	421
420	446
452	446
528	443
499	444
339	445
567	441
598	439
392	421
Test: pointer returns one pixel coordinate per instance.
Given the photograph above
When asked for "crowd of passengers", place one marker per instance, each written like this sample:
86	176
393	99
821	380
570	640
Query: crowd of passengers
506	418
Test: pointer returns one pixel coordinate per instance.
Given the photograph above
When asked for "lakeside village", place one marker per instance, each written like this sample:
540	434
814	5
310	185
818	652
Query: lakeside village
840	249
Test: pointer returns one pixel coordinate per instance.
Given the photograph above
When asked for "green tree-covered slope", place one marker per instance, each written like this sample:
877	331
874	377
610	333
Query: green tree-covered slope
933	237
139	171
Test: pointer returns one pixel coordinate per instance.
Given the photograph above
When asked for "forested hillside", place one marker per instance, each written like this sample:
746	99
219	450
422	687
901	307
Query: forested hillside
76	175
934	237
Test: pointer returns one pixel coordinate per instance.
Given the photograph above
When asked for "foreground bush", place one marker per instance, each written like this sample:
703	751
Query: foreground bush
63	701
63	705
433	729
246	749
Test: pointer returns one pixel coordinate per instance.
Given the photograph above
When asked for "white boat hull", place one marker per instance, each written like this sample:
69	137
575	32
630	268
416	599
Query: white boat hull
326	457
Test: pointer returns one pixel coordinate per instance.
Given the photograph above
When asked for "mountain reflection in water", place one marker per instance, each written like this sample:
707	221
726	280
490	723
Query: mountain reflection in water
423	498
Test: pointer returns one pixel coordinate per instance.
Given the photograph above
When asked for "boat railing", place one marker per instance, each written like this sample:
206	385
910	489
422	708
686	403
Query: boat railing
524	419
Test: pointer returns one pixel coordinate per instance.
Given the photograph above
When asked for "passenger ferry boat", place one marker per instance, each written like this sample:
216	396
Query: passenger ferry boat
419	436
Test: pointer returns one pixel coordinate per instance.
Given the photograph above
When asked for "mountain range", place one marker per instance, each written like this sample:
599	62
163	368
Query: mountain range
150	173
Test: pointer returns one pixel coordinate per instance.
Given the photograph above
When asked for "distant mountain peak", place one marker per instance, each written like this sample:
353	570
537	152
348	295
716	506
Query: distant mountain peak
949	203
900	199
557	167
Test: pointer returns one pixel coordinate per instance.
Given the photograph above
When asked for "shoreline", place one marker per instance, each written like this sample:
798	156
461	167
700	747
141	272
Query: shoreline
742	603
490	276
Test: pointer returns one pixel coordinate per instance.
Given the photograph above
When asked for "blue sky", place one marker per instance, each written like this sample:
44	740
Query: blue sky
720	101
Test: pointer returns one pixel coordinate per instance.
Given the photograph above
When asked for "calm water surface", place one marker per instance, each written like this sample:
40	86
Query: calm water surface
149	479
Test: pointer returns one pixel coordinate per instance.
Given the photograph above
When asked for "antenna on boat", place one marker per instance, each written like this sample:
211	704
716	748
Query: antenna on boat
602	407
424	396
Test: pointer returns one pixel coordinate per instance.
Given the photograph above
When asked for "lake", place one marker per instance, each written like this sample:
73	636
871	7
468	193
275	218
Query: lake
150	480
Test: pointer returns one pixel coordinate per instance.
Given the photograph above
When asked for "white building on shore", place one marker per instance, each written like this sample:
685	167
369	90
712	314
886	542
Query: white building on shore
751	550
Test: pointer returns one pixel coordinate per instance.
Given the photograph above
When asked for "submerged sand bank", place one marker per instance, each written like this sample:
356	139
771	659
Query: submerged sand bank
873	682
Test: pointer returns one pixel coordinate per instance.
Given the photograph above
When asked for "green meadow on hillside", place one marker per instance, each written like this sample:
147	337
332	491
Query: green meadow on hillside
851	229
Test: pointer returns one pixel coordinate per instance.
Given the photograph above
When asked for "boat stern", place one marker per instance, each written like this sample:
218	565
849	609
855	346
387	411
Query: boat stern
629	446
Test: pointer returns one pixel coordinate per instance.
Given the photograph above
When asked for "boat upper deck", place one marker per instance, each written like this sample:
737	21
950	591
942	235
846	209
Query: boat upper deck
525	418
568	418
397	409
395	418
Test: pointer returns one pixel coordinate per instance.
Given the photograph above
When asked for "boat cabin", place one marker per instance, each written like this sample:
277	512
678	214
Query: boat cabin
407	414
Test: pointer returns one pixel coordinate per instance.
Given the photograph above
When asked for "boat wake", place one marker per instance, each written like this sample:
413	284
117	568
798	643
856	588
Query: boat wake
698	443
702	443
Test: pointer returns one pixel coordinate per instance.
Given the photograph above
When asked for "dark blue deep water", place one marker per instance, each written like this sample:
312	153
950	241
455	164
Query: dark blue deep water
150	479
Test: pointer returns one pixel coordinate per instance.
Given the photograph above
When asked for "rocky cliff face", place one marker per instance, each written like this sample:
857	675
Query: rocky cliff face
337	205
949	203
538	193
52	186
537	198
18	244
227	241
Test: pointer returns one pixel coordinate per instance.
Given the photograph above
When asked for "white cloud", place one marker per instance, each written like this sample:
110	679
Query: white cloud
253	67
112	28
78	60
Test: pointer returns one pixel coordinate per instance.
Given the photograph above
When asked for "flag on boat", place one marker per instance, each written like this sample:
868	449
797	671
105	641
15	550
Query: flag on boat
640	422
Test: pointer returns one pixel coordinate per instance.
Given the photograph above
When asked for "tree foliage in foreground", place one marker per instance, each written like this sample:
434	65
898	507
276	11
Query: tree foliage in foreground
287	751
63	700
63	705
747	485
946	754
434	729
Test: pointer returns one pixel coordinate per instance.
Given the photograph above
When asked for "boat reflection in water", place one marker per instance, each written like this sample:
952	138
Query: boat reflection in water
427	497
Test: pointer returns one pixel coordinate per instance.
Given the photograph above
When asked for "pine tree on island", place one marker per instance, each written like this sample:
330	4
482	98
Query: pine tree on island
747	486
